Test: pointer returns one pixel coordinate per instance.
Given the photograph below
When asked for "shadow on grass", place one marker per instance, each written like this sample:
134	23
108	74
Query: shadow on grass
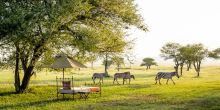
209	103
138	86
145	75
133	102
153	101
196	77
37	103
7	93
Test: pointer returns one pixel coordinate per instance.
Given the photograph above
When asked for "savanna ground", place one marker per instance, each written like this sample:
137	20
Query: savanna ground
189	92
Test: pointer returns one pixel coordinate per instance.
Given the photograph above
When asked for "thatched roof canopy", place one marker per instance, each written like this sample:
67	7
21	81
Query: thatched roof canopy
63	61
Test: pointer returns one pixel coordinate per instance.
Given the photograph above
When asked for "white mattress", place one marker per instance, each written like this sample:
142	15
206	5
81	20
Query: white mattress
74	90
81	89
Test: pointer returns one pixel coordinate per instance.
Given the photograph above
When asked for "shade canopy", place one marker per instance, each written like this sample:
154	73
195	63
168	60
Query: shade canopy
63	61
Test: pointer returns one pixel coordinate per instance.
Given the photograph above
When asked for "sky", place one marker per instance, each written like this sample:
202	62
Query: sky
179	21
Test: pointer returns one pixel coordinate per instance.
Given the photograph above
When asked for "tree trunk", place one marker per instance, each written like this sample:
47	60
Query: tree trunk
130	65
24	56
118	67
176	67
189	65
92	65
28	70
149	67
26	80
17	77
181	70
106	64
198	72
181	67
197	67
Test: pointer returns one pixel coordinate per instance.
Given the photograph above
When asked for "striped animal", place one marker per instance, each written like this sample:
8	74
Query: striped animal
166	75
98	75
131	76
125	76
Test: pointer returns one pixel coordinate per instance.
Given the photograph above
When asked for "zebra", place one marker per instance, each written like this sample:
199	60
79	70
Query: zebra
98	75
131	76
166	75
125	75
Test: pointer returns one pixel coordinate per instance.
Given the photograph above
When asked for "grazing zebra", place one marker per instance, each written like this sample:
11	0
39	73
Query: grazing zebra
125	75
166	75
98	75
131	76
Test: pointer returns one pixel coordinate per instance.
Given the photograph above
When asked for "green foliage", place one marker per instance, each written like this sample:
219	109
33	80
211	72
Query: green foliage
148	62
108	62
39	29
215	53
170	51
118	60
199	53
194	53
88	21
186	52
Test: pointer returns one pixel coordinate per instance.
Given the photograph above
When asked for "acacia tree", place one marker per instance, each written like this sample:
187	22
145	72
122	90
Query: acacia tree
215	53
130	58
171	51
199	53
188	64
111	46
185	57
109	62
148	62
118	61
32	28
92	59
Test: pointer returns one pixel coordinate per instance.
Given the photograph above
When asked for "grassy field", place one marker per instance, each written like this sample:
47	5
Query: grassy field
189	92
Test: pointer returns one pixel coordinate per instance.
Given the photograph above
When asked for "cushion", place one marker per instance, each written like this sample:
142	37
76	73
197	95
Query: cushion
66	85
94	89
81	89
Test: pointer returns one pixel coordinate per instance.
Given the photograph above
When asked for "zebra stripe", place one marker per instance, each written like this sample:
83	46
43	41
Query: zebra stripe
165	75
125	75
98	75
